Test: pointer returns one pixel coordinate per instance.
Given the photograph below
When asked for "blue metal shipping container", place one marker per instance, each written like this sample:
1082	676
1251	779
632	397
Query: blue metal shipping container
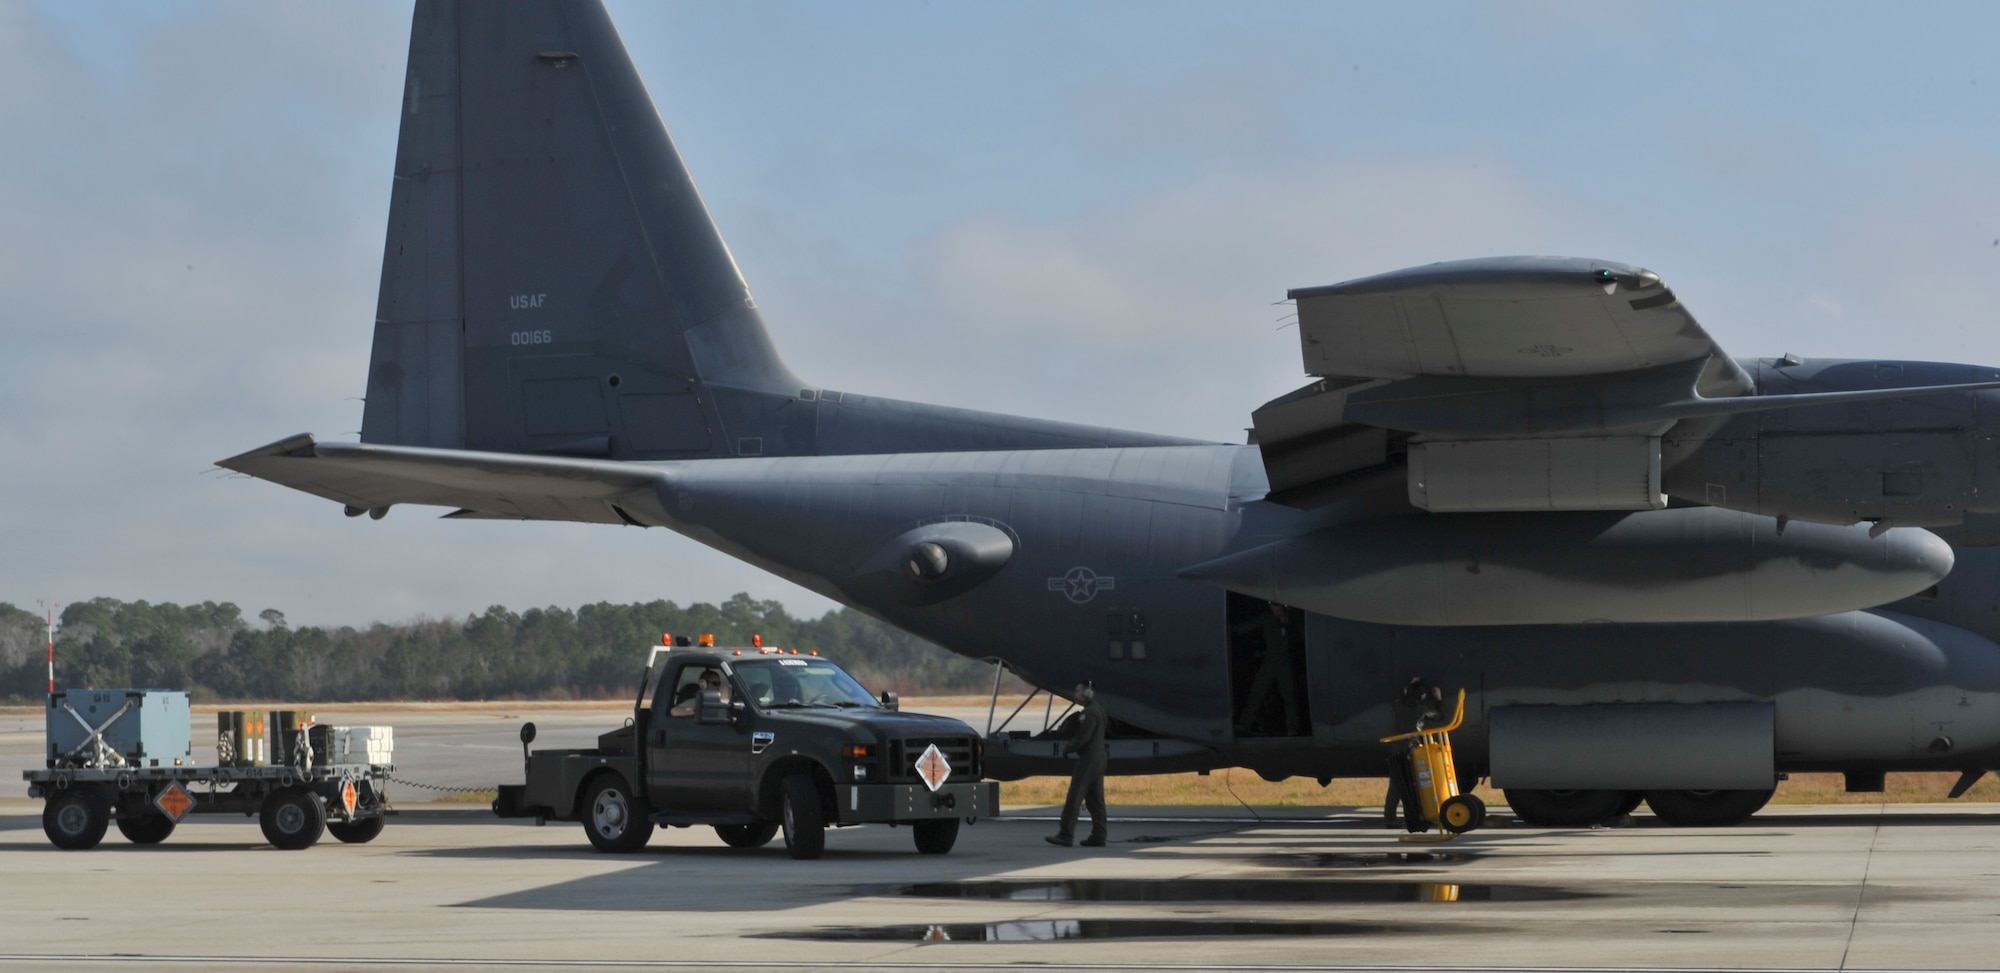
152	732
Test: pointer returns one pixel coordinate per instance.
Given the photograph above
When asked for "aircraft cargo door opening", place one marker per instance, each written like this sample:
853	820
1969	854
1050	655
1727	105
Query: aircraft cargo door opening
1267	669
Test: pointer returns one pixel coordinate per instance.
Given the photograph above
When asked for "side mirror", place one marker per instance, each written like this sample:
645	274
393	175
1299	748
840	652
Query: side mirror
527	737
891	701
711	708
737	711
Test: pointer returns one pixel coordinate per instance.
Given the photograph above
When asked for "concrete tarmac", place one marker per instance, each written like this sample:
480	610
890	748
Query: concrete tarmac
1897	887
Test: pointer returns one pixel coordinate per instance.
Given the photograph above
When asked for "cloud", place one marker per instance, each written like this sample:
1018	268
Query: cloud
194	209
190	267
1161	312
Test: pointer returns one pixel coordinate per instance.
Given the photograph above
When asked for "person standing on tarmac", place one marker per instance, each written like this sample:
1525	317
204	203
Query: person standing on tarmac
1086	782
1418	704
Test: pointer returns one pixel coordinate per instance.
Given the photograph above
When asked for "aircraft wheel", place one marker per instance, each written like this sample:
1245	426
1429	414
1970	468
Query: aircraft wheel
1631	802
1463	813
935	836
292	818
613	818
805	819
146	829
1707	809
75	819
1563	809
747	835
357	832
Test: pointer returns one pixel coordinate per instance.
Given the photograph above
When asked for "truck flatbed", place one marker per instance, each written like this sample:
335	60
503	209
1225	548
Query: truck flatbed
295	805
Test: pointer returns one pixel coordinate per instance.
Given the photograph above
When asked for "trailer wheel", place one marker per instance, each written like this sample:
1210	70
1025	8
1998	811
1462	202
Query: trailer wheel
1463	813
1707	809
1563	809
292	818
747	835
75	819
612	817
805	819
146	829
935	836
357	832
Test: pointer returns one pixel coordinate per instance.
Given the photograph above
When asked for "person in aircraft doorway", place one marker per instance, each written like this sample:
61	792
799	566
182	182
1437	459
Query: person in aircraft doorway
1274	682
1086	781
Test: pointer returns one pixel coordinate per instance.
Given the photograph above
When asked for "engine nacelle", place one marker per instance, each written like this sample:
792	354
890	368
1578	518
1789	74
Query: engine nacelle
1922	461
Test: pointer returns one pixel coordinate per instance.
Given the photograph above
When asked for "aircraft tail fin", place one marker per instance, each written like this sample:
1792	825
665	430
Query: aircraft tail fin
551	282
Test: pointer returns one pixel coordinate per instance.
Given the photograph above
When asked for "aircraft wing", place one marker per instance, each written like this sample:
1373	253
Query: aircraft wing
1499	368
369	477
1506	317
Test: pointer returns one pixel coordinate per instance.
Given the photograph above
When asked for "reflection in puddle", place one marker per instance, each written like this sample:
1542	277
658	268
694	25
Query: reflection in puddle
1217	890
1399	859
1052	930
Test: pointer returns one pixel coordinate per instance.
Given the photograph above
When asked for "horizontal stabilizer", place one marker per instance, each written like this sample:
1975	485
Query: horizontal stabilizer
365	476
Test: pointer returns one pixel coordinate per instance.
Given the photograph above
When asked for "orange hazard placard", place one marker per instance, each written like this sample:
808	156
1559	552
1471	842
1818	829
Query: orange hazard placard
173	801
347	796
932	768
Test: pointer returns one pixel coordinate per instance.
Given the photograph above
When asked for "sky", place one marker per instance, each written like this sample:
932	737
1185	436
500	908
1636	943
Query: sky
1080	211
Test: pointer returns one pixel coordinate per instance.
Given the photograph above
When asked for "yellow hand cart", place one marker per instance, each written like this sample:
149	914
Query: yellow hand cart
1431	782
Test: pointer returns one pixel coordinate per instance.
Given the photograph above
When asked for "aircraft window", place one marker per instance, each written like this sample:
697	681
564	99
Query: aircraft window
1126	634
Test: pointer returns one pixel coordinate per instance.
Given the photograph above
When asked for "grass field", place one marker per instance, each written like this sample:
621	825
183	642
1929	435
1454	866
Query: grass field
1226	788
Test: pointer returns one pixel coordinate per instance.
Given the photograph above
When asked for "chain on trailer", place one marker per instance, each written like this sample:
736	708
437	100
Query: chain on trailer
438	788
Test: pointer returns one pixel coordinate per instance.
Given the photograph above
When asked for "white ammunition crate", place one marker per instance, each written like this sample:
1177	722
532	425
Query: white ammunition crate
364	744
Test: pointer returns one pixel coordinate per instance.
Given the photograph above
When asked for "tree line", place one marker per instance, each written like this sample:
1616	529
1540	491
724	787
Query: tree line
592	652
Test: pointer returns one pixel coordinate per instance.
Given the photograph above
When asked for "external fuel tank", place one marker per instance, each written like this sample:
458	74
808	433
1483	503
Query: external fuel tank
1693	564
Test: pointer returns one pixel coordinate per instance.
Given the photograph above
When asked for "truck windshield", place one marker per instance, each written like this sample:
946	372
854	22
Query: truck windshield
796	683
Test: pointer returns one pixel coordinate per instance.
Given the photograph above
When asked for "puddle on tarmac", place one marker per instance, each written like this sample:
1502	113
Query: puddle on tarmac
1055	930
1218	890
1396	859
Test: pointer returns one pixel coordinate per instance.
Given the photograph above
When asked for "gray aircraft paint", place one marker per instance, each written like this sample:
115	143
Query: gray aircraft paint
563	335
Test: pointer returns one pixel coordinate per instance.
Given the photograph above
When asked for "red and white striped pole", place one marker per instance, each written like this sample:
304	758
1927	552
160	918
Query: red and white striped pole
52	648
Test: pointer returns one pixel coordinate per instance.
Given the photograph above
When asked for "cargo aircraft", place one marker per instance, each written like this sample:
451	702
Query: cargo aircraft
1662	573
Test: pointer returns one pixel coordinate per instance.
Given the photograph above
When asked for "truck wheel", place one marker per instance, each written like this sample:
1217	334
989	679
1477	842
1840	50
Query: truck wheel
1563	809
747	835
1707	809
613	818
146	829
935	836
292	818
1463	813
805	819
75	819
356	832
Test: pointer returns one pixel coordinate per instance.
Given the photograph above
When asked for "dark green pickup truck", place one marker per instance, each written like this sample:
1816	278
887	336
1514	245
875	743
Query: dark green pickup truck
751	741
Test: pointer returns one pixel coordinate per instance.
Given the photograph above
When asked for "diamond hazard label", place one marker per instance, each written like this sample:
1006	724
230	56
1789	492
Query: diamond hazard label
347	796
173	801
932	768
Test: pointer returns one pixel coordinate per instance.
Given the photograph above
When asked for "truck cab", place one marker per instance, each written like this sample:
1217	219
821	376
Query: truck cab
753	742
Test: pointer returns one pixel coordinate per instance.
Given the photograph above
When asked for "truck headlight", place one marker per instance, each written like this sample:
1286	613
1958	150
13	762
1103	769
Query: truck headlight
860	771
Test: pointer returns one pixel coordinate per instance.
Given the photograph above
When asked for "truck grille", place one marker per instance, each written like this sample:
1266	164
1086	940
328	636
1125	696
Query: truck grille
960	751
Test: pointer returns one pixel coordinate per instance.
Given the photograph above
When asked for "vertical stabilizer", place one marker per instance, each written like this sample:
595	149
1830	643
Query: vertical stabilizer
551	280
